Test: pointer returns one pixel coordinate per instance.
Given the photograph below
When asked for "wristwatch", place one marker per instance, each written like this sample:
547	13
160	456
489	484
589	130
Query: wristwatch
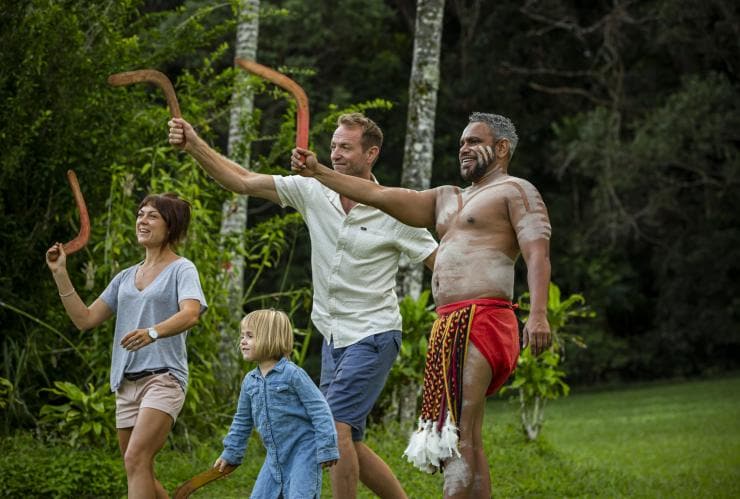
153	334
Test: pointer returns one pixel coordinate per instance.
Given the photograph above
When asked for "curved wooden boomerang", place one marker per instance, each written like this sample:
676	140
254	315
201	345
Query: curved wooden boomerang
150	76
279	79
83	236
199	480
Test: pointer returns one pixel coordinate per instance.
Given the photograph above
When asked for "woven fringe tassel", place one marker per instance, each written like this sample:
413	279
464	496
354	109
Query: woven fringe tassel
428	447
448	439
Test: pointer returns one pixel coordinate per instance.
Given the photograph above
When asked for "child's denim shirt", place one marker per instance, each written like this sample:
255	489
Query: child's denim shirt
296	426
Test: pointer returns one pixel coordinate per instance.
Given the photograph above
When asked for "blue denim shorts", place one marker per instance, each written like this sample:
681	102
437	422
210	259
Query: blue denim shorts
352	377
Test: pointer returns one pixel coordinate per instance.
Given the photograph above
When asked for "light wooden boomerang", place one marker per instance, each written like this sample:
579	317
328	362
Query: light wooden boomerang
201	479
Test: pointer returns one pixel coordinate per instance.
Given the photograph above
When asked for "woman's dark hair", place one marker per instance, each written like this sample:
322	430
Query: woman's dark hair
174	211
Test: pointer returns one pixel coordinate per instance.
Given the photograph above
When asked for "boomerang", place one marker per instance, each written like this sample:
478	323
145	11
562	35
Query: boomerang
149	76
201	479
83	236
279	79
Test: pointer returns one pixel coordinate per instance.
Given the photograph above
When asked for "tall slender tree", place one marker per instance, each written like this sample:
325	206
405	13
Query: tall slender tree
234	221
419	148
419	145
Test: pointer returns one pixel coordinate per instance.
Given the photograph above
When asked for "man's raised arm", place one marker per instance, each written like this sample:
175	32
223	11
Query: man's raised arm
414	208
226	172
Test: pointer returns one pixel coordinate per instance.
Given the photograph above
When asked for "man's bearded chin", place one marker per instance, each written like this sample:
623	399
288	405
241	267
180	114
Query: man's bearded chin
476	173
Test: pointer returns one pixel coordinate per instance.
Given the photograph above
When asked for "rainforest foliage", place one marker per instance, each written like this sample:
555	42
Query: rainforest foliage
628	116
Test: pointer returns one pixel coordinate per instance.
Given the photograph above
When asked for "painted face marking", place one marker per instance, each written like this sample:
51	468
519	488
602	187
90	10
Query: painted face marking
484	156
475	156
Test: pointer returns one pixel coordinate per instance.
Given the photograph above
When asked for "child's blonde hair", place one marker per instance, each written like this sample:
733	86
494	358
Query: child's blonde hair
273	333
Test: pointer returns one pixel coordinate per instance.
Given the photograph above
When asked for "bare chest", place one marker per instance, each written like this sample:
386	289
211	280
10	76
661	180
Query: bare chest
483	211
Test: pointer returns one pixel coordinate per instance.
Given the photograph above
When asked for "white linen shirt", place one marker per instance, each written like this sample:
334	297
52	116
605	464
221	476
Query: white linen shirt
354	260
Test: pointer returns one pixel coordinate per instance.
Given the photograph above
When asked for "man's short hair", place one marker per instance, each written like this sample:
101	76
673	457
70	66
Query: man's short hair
371	133
174	211
273	333
501	127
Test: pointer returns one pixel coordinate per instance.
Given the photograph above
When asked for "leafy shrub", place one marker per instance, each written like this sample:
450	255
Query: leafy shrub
86	418
538	379
31	468
399	398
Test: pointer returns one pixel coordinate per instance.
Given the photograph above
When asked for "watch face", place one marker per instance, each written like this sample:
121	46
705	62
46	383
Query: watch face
153	334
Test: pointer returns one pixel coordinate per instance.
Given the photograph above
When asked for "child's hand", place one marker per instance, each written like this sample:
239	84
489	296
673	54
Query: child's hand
220	464
328	464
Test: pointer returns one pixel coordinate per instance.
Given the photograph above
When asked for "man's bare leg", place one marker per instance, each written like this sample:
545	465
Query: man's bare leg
358	462
346	473
377	475
468	476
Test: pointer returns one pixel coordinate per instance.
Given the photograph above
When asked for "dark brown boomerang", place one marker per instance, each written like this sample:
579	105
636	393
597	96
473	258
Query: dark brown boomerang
83	236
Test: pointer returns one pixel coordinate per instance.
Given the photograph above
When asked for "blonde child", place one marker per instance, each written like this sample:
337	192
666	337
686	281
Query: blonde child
287	409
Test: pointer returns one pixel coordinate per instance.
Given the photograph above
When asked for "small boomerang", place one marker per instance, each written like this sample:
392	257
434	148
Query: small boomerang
83	236
199	480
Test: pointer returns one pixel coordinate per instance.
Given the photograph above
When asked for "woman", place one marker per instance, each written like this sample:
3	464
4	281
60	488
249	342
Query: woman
155	303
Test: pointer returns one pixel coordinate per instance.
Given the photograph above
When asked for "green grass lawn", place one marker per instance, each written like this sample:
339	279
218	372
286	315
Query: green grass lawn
669	440
658	440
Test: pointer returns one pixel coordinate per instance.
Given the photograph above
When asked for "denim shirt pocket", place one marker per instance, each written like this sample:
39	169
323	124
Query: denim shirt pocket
284	406
281	394
254	392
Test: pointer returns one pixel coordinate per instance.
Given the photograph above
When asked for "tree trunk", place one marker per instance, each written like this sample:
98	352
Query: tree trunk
419	146
234	219
532	414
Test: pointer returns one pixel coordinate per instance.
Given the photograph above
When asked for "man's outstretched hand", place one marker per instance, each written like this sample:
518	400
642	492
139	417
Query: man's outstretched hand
304	162
181	133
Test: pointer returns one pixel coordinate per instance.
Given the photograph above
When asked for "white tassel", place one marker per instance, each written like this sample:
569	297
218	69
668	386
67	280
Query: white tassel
416	451
448	438
417	448
428	447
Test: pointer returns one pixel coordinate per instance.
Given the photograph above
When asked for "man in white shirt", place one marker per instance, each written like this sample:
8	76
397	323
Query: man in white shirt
355	250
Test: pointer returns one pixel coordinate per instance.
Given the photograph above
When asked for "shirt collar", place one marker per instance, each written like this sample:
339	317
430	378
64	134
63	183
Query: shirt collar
333	196
278	368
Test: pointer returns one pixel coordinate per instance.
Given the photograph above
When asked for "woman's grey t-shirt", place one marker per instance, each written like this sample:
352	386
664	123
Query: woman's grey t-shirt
136	309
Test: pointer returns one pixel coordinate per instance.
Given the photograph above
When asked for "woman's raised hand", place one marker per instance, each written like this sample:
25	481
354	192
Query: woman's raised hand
56	258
